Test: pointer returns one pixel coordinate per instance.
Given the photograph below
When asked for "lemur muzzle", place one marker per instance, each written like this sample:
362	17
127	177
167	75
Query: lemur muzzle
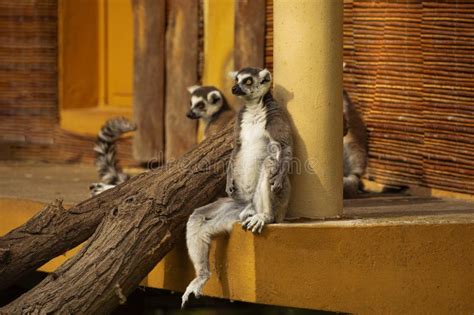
236	90
191	115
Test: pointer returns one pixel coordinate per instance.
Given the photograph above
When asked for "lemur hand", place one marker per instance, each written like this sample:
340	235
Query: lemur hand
230	188
276	182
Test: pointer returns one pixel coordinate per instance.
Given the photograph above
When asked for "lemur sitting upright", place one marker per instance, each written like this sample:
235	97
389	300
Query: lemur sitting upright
257	177
209	105
106	162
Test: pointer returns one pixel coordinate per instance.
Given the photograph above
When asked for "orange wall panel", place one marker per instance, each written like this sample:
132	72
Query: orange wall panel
79	51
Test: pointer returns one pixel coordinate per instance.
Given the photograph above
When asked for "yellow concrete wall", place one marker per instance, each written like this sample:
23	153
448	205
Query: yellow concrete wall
218	43
79	50
218	47
119	53
404	265
96	53
95	62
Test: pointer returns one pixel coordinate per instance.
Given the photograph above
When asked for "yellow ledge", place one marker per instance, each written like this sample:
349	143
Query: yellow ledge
88	121
421	264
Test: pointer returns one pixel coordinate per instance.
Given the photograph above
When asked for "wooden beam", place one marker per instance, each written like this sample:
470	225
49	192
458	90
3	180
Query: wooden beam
249	40
149	78
182	55
132	227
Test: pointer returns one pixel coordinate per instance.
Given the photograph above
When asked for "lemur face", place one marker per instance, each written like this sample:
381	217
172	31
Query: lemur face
251	83
205	102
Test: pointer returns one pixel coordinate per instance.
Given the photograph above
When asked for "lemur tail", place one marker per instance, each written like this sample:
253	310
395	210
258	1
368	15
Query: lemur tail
105	160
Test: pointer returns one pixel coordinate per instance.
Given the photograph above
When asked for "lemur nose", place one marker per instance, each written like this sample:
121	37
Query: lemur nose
191	115
236	90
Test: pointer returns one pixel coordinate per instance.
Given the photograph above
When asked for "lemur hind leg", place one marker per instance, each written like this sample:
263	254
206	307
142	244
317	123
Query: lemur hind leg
269	206
206	222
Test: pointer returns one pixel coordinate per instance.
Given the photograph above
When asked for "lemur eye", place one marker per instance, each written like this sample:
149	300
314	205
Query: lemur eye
248	81
200	105
214	100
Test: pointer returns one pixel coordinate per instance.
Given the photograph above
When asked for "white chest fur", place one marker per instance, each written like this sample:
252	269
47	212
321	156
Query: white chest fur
253	149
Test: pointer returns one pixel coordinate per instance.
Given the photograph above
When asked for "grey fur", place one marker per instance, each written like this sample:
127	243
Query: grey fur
257	176
106	161
210	105
355	148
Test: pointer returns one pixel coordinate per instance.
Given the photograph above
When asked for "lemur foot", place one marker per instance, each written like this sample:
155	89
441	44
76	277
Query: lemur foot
254	223
97	188
195	287
246	213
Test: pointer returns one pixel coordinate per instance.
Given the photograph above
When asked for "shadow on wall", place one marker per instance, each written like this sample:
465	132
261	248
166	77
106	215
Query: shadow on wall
303	163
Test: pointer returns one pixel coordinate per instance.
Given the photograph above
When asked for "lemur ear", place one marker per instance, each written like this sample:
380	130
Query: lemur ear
193	88
233	74
265	76
214	97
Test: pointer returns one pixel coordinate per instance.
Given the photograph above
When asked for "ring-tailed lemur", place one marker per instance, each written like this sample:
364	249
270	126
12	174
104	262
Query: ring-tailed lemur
106	162
209	105
257	176
355	147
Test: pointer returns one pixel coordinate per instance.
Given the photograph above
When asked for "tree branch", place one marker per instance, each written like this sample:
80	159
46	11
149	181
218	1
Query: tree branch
142	220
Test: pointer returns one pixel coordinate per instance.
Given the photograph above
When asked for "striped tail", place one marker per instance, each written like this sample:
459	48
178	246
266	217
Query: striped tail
105	160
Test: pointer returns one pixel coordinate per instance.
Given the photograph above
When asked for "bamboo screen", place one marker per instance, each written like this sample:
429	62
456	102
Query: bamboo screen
410	72
28	70
29	128
269	35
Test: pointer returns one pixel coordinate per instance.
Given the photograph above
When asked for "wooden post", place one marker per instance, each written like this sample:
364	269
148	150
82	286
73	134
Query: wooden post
182	54
249	40
149	78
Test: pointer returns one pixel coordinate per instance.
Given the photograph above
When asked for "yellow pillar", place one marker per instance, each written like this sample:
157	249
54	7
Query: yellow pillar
308	78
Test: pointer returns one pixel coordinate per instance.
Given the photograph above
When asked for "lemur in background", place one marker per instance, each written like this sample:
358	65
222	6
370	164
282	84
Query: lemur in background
106	162
209	105
257	177
355	148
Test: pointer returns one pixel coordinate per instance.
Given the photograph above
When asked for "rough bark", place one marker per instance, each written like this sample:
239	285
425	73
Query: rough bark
149	79
181	72
249	40
143	218
48	234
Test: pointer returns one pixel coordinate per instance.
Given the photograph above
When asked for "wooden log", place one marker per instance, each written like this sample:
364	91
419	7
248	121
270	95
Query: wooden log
48	234
249	40
144	218
149	79
182	55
